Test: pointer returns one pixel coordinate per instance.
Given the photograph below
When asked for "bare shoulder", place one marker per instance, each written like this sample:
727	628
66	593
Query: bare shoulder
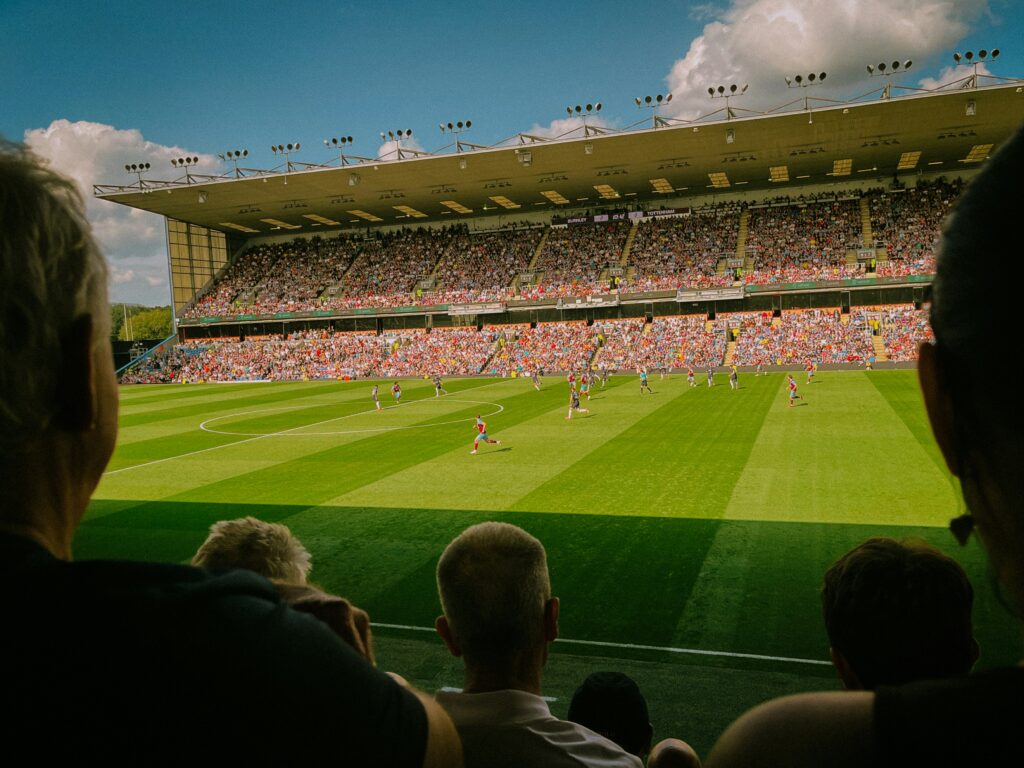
809	729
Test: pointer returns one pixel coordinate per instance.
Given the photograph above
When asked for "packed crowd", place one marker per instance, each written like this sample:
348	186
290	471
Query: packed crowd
662	344
481	267
303	355
547	347
788	241
573	259
683	252
792	243
903	330
799	336
390	265
443	351
907	223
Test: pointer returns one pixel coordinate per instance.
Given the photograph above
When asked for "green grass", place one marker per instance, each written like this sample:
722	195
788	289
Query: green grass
687	520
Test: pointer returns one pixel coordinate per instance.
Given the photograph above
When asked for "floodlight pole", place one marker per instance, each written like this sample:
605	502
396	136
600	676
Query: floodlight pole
727	93
585	111
654	102
456	127
969	58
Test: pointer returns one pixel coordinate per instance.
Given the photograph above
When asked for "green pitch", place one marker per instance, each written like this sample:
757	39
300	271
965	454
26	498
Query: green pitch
687	531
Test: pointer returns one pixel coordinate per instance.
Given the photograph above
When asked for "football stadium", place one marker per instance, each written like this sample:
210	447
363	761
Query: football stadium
687	527
683	355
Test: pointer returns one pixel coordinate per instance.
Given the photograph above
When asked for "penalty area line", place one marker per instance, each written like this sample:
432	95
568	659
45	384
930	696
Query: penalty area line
638	647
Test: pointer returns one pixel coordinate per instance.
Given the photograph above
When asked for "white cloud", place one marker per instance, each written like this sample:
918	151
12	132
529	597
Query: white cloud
760	42
951	75
388	149
133	240
567	127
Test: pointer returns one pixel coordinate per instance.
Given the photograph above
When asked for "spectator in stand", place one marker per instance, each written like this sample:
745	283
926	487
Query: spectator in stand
683	251
499	618
897	612
125	662
268	549
907	222
574	257
798	336
442	351
807	240
271	550
550	347
610	703
904	329
481	267
971	720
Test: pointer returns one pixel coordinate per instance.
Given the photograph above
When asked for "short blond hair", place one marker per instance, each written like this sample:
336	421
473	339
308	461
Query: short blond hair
493	583
269	549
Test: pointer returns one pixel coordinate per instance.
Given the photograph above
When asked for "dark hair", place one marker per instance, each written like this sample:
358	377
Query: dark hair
899	611
610	703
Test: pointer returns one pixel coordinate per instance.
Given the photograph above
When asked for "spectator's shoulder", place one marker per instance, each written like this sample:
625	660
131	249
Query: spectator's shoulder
812	729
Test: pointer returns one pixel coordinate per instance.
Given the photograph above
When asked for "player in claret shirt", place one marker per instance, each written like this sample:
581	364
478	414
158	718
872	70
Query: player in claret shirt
482	436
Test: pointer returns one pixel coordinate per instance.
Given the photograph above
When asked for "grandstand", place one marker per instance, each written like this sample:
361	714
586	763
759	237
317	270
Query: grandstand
791	225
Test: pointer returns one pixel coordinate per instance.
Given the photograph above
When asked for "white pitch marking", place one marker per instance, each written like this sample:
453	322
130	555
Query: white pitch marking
637	647
258	437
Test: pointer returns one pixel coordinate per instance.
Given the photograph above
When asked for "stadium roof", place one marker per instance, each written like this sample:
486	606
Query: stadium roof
943	131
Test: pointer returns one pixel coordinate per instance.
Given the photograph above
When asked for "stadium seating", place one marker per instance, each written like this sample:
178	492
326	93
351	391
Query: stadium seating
666	342
573	259
548	347
683	252
481	267
802	240
817	335
907	223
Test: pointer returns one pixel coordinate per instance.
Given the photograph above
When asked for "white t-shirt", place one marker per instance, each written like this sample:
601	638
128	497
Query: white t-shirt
512	729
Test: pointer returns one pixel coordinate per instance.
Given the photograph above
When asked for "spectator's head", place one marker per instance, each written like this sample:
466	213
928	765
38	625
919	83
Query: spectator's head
269	549
897	612
673	753
610	703
58	395
980	429
499	615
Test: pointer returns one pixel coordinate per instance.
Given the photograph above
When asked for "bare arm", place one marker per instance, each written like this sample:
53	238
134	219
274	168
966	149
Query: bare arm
813	729
444	750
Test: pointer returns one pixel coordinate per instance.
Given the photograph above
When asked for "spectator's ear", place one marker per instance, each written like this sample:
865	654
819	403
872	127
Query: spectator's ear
551	608
76	391
938	403
445	631
846	674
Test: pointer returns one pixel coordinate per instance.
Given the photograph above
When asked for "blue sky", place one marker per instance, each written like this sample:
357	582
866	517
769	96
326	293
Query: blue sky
95	85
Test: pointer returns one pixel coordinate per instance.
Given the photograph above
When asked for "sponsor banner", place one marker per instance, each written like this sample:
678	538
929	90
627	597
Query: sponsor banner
709	294
483	308
621	216
589	302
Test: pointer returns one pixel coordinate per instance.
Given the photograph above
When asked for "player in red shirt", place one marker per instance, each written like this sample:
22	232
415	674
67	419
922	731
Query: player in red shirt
396	392
792	390
482	436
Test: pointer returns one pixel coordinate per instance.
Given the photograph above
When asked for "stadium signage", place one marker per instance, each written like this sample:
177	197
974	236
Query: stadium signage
486	308
709	294
622	216
589	302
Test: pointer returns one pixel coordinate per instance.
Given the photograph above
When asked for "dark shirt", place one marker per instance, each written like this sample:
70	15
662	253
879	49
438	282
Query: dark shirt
960	722
142	663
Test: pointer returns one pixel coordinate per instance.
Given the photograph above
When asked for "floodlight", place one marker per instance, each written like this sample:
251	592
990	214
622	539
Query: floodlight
799	79
127	167
983	53
469	123
871	69
668	98
745	86
908	64
711	91
881	66
995	53
789	80
721	89
568	110
969	55
812	77
895	65
822	76
956	57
